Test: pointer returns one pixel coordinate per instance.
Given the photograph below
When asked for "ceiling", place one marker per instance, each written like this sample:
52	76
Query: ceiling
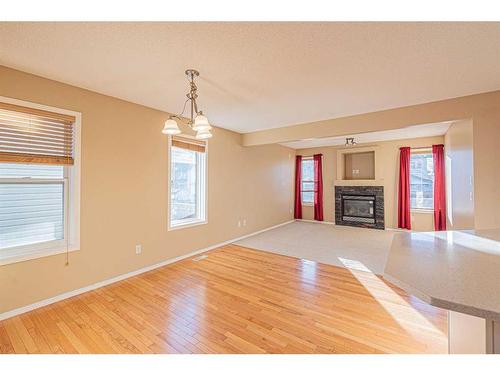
263	75
409	132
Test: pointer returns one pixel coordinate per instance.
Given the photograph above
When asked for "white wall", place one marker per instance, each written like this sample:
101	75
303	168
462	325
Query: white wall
459	151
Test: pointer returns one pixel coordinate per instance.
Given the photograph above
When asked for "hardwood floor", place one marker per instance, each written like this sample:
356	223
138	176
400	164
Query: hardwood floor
236	300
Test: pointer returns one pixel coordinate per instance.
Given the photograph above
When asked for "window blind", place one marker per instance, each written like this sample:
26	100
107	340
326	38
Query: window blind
29	135
189	144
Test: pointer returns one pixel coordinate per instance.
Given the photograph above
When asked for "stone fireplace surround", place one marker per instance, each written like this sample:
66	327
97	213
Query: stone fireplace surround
365	191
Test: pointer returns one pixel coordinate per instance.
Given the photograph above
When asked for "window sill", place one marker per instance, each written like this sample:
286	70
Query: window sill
35	254
308	204
187	224
421	211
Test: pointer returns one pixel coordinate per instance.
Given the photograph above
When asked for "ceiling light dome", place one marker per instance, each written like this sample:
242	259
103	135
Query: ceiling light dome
171	127
201	122
203	134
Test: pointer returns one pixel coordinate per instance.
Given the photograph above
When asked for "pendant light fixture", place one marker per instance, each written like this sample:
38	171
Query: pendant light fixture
197	120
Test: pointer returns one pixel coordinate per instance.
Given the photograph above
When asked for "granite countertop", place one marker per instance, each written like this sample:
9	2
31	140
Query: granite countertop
455	270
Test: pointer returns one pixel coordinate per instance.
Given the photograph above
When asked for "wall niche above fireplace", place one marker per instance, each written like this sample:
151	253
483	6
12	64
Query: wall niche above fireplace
357	166
360	206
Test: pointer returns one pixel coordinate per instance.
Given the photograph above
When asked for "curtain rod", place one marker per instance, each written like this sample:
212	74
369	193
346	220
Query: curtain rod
309	156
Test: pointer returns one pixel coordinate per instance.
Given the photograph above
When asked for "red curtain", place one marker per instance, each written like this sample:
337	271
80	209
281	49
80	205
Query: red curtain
318	187
439	188
404	218
298	187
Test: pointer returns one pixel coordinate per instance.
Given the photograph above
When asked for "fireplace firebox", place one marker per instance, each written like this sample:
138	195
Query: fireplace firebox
360	206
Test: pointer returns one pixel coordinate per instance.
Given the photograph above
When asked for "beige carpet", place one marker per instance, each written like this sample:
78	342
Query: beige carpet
358	248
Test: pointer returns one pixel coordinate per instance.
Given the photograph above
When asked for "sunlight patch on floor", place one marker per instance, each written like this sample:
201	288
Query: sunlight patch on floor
354	264
464	239
399	308
308	273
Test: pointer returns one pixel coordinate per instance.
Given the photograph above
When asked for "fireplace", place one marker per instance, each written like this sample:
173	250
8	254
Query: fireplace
360	206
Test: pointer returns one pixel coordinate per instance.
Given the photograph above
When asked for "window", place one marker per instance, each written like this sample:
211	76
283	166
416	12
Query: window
422	181
32	204
39	181
307	181
187	182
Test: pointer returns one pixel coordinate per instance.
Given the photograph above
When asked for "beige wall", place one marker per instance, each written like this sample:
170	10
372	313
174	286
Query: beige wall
483	109
460	174
387	172
124	192
362	162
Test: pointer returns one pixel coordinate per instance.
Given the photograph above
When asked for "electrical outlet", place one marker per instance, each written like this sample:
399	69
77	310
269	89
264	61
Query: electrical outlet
239	223
138	249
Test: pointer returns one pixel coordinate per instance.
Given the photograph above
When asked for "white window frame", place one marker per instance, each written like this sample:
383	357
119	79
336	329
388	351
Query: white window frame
302	180
201	193
418	210
71	182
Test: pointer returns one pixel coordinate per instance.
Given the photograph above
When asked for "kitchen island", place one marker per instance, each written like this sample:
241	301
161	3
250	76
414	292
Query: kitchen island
458	271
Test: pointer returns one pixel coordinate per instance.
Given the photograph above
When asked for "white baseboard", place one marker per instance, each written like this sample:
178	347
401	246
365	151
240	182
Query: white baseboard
72	293
332	223
316	221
